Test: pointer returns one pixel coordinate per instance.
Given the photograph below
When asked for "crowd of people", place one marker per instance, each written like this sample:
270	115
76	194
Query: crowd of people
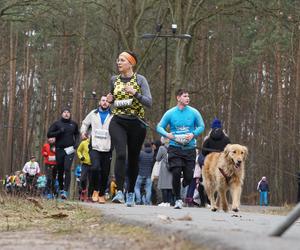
166	172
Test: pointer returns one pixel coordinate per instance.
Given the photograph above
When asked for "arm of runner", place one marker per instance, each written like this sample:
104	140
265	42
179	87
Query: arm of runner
199	124
54	130
145	97
161	126
86	123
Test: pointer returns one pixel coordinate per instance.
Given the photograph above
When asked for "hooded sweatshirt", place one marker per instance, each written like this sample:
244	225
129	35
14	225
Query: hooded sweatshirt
146	162
215	142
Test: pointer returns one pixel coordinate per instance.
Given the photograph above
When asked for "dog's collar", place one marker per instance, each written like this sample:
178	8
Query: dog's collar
227	178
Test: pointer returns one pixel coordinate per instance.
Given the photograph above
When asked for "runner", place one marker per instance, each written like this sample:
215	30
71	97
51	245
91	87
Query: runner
129	93
100	150
185	124
66	136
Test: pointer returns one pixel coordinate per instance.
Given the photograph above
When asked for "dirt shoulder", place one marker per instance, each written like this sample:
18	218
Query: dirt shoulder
35	224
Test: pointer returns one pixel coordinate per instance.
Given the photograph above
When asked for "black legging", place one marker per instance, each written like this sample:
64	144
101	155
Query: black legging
101	168
187	179
64	163
130	133
167	195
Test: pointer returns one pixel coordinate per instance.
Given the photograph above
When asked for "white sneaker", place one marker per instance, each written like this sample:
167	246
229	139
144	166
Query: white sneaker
178	204
161	204
167	204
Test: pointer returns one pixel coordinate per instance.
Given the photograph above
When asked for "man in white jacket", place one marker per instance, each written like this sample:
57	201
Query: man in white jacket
100	148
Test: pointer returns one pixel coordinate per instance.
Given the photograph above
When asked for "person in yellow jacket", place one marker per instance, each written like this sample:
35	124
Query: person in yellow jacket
84	157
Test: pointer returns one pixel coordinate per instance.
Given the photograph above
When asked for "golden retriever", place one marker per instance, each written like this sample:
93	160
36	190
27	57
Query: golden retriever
222	172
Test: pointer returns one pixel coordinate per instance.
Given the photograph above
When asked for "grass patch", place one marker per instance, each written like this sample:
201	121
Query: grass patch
62	219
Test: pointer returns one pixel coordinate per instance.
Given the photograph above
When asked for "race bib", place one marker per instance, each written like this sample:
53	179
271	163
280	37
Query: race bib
101	133
123	103
181	139
69	150
51	158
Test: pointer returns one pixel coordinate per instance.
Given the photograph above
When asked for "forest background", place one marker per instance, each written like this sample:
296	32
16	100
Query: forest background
242	65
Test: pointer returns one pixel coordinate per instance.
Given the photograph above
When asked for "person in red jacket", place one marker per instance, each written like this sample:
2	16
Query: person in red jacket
48	152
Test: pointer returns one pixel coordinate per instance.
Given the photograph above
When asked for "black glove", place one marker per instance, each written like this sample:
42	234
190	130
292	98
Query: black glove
82	158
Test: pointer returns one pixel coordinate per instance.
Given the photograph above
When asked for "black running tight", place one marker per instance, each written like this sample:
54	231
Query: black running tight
130	134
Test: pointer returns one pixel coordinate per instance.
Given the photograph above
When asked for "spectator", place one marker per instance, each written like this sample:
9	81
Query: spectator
41	184
156	196
216	140
165	176
263	188
144	176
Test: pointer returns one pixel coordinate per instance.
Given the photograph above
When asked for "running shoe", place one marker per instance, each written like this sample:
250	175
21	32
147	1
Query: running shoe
178	204
63	195
130	200
95	196
119	197
101	199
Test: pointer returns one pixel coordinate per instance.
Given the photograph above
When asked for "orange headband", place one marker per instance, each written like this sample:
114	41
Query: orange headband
129	57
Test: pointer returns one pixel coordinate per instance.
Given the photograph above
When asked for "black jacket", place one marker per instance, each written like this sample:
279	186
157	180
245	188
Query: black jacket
65	132
215	142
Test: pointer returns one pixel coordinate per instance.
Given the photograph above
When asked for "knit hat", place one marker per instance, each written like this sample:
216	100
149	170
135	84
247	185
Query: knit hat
65	109
216	123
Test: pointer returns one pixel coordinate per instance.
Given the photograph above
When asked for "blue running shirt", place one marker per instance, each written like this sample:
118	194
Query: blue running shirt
180	122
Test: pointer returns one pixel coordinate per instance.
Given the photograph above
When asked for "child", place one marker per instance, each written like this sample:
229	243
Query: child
48	152
41	185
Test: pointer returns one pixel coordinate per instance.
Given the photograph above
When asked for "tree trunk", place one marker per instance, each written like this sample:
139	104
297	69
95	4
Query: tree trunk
25	103
12	99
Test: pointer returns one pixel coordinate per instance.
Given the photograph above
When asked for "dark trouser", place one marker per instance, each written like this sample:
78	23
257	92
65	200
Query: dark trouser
167	195
51	172
85	175
64	163
202	195
100	170
191	188
156	197
130	133
181	161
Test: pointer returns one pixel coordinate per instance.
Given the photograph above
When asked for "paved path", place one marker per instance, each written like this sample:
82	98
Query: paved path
219	230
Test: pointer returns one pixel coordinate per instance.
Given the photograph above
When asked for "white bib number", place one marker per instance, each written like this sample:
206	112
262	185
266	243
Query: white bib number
181	139
51	158
123	103
69	150
101	133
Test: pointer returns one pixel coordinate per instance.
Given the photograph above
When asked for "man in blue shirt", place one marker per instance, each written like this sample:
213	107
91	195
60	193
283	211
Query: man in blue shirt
185	124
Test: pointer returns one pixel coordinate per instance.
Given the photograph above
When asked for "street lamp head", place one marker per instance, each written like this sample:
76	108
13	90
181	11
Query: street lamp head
94	94
174	28
158	27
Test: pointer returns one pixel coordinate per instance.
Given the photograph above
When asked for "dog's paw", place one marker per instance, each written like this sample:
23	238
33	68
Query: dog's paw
214	209
235	209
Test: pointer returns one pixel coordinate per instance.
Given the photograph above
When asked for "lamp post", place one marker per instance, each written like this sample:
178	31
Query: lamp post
166	37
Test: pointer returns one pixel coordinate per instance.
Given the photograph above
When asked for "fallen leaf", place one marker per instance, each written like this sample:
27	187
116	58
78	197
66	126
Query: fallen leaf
164	218
185	218
57	216
35	202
